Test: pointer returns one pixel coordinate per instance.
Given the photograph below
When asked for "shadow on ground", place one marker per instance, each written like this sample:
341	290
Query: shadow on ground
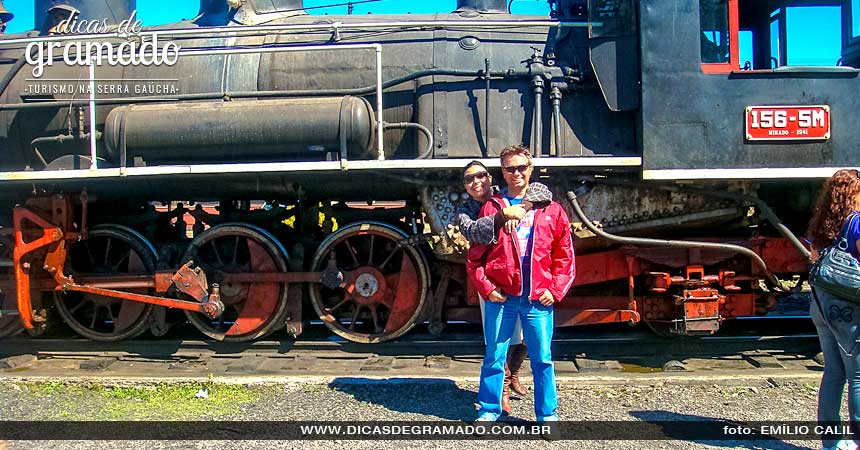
685	427
439	398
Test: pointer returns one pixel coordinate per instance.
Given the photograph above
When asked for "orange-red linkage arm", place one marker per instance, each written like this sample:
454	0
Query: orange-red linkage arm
51	234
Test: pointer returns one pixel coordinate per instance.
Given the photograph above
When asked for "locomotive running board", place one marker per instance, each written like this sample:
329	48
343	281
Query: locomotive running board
746	174
598	162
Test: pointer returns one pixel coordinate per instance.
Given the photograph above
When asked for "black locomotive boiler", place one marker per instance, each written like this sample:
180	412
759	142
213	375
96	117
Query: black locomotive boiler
277	167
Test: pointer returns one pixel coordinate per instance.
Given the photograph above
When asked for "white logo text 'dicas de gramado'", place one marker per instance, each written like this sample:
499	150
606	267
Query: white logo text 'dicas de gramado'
132	52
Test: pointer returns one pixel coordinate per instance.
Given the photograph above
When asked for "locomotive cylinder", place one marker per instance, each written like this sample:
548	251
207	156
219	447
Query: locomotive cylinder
259	130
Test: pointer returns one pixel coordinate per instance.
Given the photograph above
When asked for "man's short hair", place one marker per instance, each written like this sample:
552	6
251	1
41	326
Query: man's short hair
517	149
475	163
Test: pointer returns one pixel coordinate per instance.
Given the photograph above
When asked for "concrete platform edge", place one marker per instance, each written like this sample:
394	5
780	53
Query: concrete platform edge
761	377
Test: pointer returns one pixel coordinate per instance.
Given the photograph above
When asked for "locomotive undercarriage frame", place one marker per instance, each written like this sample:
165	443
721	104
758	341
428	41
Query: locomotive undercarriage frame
43	244
692	302
40	239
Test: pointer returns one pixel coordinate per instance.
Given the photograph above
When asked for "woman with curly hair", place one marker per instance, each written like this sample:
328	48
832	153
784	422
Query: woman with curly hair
837	321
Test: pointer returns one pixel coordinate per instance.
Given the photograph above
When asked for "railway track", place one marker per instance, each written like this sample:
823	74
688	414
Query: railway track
612	346
610	350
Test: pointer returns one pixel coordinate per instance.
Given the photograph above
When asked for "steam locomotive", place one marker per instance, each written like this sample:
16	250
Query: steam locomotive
275	160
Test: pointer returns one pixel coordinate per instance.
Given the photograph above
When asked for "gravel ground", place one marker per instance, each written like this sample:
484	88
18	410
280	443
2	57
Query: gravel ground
434	399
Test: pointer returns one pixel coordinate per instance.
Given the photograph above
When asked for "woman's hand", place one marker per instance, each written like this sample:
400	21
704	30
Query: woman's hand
813	255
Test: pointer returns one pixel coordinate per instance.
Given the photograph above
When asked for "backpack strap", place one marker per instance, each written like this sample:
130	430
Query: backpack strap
843	233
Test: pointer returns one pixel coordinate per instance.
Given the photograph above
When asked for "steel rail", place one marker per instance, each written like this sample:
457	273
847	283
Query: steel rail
461	346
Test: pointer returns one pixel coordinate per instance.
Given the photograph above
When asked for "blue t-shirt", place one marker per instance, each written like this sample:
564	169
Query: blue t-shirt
524	236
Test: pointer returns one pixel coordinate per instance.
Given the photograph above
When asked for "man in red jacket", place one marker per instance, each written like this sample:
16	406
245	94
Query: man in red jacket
522	275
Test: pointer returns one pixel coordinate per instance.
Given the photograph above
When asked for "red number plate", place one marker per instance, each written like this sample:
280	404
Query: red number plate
787	123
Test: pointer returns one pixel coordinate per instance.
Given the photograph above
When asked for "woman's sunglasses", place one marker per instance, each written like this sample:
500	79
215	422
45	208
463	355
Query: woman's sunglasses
468	179
520	169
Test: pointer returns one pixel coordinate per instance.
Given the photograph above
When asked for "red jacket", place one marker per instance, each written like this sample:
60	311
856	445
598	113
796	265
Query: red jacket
497	266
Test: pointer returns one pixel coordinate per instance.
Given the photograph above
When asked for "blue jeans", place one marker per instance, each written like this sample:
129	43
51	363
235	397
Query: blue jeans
516	337
537	323
837	340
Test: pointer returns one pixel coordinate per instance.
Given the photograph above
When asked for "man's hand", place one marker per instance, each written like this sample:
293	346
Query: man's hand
514	212
511	226
546	298
496	297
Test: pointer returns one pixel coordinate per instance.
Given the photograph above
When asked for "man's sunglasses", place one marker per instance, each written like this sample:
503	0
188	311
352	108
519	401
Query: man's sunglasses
467	179
520	169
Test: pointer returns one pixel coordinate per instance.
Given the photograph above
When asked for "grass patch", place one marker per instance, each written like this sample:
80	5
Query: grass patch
47	388
174	402
156	402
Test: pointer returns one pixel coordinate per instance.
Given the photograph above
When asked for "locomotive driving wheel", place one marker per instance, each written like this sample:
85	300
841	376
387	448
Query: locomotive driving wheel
384	283
251	309
9	325
108	250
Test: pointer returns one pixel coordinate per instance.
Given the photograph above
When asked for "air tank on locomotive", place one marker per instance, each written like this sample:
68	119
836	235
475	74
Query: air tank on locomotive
244	129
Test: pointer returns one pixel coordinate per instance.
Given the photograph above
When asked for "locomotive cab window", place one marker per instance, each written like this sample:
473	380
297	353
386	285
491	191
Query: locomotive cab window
767	35
851	36
714	22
